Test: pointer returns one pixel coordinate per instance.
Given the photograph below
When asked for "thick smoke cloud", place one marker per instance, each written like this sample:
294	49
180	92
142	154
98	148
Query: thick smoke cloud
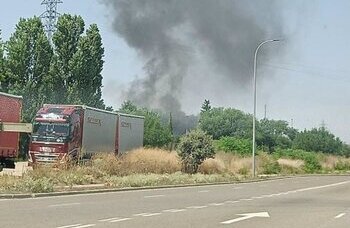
174	36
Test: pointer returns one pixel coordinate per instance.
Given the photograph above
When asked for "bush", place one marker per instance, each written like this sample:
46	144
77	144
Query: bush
234	145
194	148
342	165
268	164
311	164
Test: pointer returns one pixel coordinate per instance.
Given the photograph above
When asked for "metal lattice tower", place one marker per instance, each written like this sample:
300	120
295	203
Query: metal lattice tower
50	16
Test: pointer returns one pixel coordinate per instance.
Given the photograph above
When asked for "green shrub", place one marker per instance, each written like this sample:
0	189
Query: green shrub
234	145
36	185
342	165
311	160
194	148
268	164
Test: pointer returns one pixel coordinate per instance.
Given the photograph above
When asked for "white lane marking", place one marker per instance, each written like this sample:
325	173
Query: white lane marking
203	191
88	225
196	207
216	204
77	226
154	196
108	219
147	214
322	186
120	220
83	226
69	226
247	216
230	201
174	210
249	199
257	197
64	204
140	214
340	215
151	214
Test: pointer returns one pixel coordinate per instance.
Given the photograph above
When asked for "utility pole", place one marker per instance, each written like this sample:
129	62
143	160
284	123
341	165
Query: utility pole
50	16
265	112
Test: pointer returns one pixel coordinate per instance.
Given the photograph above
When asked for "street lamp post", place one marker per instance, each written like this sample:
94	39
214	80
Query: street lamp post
254	88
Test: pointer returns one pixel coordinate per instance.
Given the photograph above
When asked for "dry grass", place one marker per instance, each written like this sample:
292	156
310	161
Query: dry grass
211	166
284	162
290	166
329	162
153	161
138	161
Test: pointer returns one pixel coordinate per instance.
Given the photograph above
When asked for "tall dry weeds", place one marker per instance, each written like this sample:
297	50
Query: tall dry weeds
138	161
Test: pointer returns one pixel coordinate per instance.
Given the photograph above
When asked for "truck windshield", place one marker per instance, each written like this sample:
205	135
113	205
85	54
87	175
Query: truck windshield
51	129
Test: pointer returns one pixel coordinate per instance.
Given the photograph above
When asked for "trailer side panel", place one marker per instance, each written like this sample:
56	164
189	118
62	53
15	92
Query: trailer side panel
99	131
10	112
130	132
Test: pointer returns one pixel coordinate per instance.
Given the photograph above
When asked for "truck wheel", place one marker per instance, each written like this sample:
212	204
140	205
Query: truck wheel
10	164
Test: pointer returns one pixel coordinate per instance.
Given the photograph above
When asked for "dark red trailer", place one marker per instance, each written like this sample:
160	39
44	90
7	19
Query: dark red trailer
10	112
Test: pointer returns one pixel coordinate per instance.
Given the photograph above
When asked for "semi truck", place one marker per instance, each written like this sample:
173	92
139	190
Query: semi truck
63	133
10	128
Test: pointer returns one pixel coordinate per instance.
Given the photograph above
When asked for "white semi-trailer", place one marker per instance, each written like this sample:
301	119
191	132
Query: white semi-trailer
69	132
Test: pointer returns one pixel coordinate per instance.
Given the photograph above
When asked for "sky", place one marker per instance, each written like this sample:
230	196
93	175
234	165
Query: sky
306	84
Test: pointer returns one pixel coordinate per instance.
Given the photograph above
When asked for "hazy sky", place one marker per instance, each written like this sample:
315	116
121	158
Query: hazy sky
309	82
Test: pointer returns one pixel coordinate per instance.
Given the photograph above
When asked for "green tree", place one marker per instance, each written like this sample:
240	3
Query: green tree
86	66
28	61
220	122
194	148
156	133
129	107
205	106
274	133
235	145
319	140
3	86
66	42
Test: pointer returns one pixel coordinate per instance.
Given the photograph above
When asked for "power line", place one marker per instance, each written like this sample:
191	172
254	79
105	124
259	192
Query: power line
50	16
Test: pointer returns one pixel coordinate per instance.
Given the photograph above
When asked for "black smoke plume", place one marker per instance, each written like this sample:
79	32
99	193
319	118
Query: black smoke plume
174	36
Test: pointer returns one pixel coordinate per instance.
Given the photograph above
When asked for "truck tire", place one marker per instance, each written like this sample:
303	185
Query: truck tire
10	164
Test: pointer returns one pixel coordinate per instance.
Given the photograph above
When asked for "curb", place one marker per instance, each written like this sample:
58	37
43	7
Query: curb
106	190
99	188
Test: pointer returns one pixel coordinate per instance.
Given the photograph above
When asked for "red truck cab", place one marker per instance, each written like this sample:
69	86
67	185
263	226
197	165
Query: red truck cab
56	134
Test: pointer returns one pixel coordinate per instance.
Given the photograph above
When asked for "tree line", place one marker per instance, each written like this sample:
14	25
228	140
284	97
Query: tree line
231	129
64	71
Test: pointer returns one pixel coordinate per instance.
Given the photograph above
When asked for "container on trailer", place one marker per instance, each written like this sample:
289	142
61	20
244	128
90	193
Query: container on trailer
69	132
131	131
99	131
10	112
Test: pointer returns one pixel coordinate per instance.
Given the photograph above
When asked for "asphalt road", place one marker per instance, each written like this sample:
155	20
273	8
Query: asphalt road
319	201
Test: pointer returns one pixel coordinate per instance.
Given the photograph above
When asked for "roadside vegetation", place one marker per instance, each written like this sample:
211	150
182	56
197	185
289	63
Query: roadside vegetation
157	167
